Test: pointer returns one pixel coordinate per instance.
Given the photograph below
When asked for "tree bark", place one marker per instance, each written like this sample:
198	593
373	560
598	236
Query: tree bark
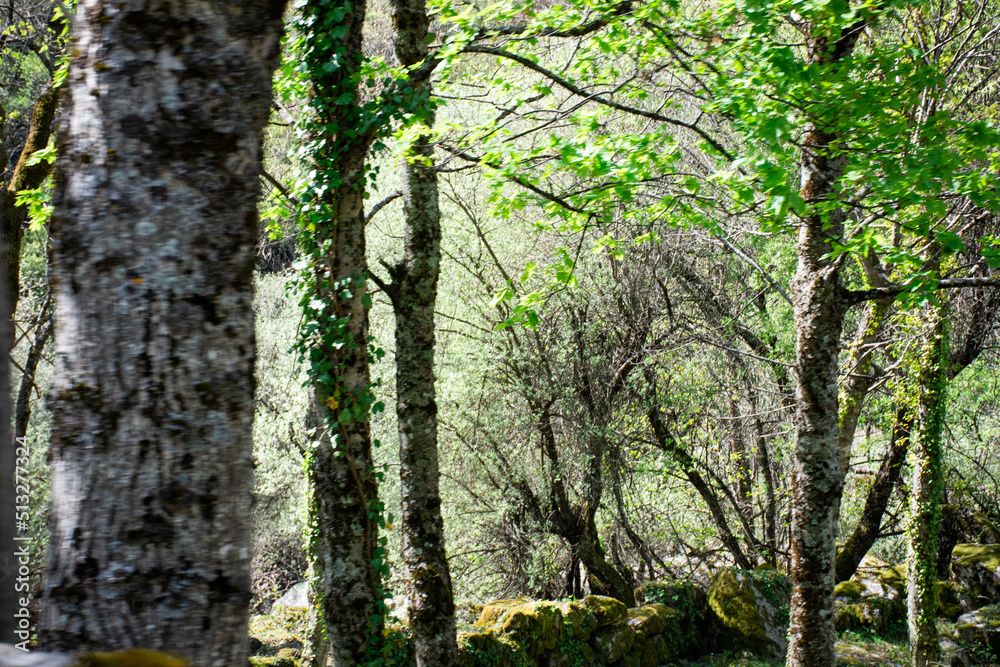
414	294
153	231
925	499
25	177
877	500
8	561
820	306
344	546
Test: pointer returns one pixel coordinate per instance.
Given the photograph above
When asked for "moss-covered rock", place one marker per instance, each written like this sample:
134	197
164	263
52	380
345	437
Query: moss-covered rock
133	657
950	597
878	578
980	629
484	648
284	627
873	614
962	525
977	567
849	590
606	610
578	622
752	609
613	642
493	611
537	626
690	601
272	661
649	620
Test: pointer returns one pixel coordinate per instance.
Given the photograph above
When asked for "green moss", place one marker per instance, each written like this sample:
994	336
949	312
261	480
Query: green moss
849	589
606	610
272	661
894	576
967	555
649	620
494	611
949	601
484	648
613	642
134	657
872	614
753	609
537	626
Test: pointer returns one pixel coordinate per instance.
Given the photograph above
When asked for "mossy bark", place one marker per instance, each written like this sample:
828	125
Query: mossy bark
820	305
153	234
344	505
23	177
925	498
414	294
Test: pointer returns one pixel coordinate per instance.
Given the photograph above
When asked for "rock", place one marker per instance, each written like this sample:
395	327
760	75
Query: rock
537	626
690	601
977	567
10	656
980	629
952	654
962	525
865	654
296	597
484	648
493	611
877	578
874	614
133	657
578	622
951	595
256	646
752	608
612	642
606	610
649	620
468	612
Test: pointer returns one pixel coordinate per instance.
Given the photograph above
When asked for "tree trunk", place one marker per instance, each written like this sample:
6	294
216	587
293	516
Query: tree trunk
877	500
8	561
820	305
153	233
344	514
925	499
414	294
25	177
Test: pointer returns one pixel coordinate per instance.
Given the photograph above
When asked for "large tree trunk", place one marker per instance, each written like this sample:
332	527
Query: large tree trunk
414	294
925	499
820	307
153	247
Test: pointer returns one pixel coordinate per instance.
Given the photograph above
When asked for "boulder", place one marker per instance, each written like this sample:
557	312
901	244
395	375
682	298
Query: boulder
484	648
752	609
613	642
493	611
649	620
690	602
977	567
980	629
606	610
537	626
870	613
296	597
962	525
878	578
578	622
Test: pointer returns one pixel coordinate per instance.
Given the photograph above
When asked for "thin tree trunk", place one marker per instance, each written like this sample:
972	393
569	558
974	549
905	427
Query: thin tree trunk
25	177
877	500
344	504
414	294
925	499
8	561
153	234
22	411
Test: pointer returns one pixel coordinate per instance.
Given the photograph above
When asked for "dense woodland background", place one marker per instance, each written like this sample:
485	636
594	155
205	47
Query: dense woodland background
623	189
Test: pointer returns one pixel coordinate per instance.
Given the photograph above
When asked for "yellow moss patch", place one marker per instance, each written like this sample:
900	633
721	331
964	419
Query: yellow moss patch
134	657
